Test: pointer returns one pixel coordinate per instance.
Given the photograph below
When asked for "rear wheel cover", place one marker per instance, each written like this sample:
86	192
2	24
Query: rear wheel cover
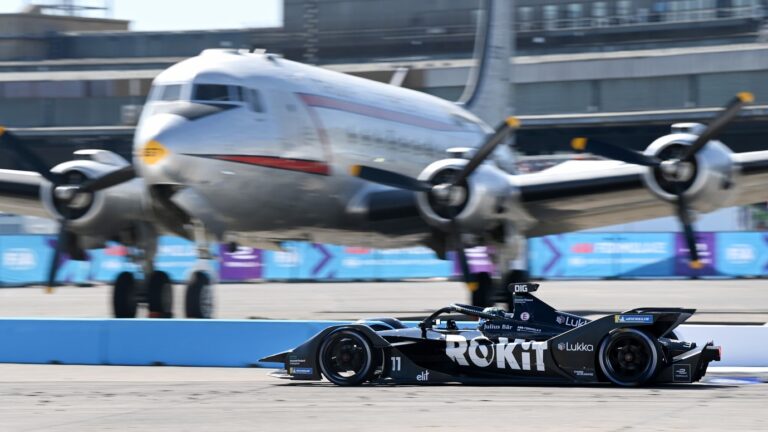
628	357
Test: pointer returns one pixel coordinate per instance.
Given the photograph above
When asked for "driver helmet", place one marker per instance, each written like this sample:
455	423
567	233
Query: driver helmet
493	310
499	312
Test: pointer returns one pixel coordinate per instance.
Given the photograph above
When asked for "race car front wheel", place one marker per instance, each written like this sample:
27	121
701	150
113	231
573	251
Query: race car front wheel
346	358
628	357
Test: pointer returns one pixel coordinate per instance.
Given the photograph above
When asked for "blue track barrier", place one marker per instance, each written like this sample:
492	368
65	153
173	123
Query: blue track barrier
144	342
241	343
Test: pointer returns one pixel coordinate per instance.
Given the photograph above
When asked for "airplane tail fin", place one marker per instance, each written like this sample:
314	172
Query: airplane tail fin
488	93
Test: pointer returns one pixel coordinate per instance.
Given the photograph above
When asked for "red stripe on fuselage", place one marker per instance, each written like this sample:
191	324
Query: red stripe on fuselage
375	112
307	166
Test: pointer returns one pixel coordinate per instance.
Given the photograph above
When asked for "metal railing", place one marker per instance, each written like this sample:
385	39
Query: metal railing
642	18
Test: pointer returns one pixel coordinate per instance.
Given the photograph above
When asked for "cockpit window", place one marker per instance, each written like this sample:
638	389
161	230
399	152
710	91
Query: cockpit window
254	100
212	92
170	92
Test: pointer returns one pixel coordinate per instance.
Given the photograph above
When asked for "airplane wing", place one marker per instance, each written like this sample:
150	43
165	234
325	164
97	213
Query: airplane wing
20	193
577	195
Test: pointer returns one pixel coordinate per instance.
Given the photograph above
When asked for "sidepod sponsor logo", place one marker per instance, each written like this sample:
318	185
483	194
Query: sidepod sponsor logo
570	321
642	319
424	376
575	346
481	352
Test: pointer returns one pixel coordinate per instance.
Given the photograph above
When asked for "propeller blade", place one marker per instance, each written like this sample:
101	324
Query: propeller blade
54	268
461	256
26	156
389	178
690	235
114	178
614	152
487	148
730	111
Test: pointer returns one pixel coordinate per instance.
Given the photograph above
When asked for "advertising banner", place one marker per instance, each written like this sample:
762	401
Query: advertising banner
313	261
478	258
241	265
742	254
602	255
25	260
705	246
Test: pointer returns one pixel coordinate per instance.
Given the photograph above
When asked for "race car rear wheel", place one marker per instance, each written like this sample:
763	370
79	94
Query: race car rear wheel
346	358
628	357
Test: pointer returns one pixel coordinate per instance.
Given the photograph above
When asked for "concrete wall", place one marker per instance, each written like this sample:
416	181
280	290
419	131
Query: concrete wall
39	24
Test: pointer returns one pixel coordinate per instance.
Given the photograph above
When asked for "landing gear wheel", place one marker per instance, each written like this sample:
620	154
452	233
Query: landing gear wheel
482	296
628	357
198	302
124	296
346	358
160	295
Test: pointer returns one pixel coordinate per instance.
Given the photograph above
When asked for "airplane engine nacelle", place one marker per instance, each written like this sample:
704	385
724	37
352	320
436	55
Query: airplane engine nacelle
711	179
486	198
99	214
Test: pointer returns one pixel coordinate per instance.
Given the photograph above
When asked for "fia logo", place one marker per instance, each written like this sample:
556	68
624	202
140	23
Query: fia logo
424	376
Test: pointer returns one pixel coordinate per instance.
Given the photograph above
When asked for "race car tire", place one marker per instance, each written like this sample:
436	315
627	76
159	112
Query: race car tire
346	358
628	357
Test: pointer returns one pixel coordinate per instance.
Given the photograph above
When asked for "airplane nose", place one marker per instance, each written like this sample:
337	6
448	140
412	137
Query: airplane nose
156	144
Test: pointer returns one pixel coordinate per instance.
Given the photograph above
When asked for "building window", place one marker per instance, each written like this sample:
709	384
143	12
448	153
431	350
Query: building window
624	8
525	18
19	90
101	88
550	17
600	14
61	89
575	12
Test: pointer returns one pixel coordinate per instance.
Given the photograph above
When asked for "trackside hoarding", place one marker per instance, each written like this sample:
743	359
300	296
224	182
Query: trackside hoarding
25	259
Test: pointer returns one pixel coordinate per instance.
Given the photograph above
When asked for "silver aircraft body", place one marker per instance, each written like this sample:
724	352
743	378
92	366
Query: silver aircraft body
252	149
275	164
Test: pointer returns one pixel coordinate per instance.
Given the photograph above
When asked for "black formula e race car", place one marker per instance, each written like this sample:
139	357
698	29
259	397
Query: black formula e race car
534	343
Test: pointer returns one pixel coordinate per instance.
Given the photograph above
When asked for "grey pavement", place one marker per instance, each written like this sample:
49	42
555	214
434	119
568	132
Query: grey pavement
733	301
45	398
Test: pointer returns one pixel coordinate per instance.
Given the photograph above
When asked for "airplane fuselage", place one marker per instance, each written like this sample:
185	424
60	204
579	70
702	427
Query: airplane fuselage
266	143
